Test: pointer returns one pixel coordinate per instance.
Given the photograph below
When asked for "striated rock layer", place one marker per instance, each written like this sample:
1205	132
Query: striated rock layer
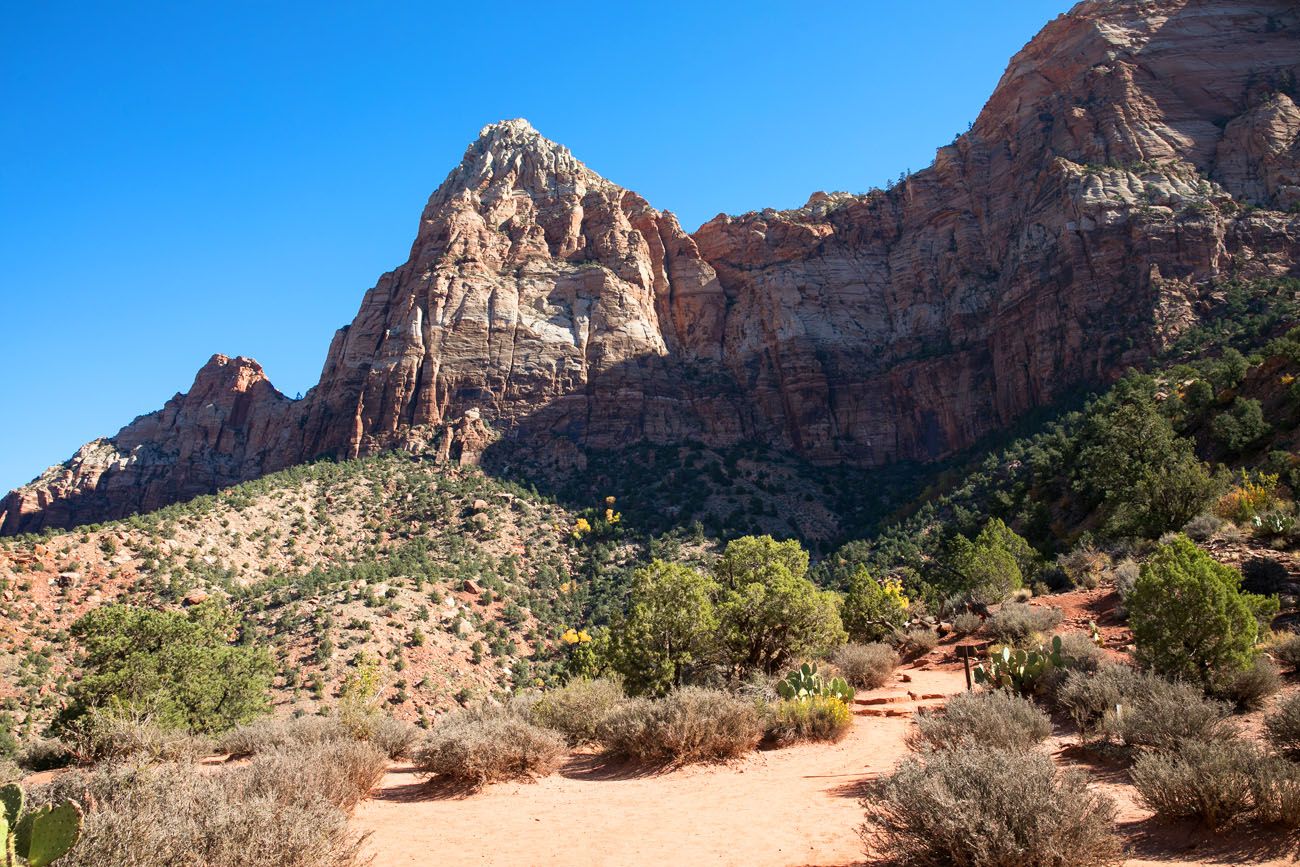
1133	154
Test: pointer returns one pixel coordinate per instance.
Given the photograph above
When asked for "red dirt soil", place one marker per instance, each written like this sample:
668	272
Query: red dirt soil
793	807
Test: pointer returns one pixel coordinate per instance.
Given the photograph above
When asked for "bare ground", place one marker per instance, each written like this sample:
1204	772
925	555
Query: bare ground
793	807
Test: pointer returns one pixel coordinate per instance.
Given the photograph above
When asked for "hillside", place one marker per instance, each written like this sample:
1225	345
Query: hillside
456	583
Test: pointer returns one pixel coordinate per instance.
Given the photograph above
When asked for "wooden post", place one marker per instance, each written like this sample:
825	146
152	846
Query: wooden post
963	650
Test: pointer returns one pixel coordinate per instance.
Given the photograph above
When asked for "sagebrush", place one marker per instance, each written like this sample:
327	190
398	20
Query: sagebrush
866	666
998	719
988	808
477	747
690	724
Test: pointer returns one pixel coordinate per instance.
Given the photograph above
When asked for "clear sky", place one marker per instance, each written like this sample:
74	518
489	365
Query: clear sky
184	178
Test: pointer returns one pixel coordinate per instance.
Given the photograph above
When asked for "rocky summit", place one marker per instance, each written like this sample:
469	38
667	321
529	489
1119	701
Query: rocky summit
1134	156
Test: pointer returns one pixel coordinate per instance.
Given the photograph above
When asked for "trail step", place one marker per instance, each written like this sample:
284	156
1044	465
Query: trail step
885	711
886	699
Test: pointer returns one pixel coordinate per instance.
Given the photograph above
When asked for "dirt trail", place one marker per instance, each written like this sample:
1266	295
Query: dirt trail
794	806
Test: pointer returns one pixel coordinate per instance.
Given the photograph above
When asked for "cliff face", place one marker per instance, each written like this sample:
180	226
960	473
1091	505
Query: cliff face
1133	153
1065	236
228	428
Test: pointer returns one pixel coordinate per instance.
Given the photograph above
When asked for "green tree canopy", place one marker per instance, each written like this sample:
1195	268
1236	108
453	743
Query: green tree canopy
1147	478
992	566
670	626
180	668
1241	426
749	555
769	612
1189	616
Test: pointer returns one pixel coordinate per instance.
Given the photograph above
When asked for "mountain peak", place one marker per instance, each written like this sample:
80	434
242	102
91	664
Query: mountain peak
511	155
513	127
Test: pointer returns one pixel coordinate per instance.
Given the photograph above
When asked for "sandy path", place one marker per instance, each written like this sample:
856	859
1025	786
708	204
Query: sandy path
795	806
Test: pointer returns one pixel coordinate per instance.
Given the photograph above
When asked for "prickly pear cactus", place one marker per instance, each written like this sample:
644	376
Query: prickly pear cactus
39	837
54	830
806	682
12	800
839	688
1018	670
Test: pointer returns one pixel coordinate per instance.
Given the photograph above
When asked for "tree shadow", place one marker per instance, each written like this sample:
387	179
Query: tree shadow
434	789
1155	839
856	789
597	767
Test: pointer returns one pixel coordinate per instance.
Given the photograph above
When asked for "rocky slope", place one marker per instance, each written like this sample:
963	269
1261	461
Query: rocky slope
1133	155
453	581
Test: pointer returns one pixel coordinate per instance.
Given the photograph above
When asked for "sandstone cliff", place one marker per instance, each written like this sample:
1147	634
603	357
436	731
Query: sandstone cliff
1133	154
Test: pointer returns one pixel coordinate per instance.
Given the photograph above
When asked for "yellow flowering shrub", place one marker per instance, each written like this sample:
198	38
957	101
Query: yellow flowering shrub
874	609
1256	494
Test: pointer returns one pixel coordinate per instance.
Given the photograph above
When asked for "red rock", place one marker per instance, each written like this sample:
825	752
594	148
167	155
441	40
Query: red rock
196	596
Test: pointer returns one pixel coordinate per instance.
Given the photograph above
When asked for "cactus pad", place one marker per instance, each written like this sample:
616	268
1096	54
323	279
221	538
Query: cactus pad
11	801
54	831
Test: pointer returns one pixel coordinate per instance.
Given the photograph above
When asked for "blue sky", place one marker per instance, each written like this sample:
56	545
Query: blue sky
180	179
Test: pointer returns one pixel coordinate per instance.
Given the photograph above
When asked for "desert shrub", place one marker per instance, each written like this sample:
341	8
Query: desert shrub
873	609
477	747
1000	720
44	754
1015	622
1166	714
1076	651
1203	527
102	735
967	623
915	642
1255	494
179	668
360	697
985	808
1275	792
1209	782
1080	653
342	772
284	810
1087	697
576	709
1286	650
1140	708
816	718
1125	575
865	666
1249	688
268	734
394	736
1283	726
1084	566
687	725
1189	618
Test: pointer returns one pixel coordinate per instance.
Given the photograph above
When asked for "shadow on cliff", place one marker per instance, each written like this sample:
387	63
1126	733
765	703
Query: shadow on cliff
680	448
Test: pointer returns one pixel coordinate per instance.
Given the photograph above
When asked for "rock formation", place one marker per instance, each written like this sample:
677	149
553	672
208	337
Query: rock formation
1133	154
